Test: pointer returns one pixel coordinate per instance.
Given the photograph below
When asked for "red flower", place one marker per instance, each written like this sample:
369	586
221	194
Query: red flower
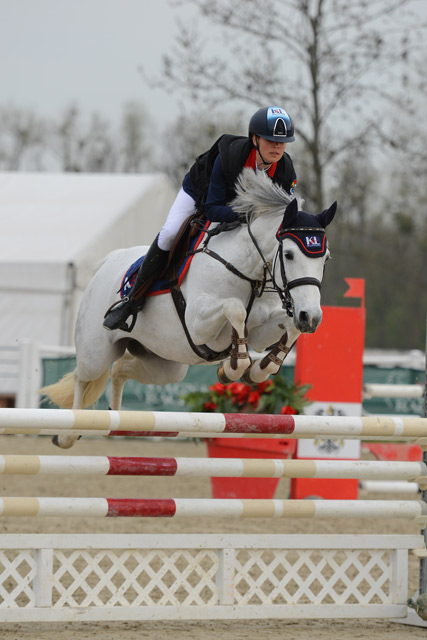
218	388
287	411
210	406
263	387
253	398
239	391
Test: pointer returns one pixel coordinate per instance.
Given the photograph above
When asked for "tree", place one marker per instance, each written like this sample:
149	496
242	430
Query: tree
73	142
81	145
391	255
134	150
22	139
355	184
193	136
332	63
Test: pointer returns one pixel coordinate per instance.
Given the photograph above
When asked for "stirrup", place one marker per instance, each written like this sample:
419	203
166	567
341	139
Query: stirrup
129	328
123	326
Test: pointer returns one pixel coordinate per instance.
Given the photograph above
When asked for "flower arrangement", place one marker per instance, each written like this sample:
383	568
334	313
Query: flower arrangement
272	396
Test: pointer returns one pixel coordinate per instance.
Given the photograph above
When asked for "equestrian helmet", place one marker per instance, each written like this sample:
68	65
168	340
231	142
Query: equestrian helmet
272	123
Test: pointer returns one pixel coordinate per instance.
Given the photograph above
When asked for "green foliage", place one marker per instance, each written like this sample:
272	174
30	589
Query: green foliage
273	396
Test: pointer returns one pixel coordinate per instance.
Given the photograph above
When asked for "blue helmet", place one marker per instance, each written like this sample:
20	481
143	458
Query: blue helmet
272	123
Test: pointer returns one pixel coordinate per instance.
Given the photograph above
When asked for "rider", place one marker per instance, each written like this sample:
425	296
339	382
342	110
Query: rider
270	129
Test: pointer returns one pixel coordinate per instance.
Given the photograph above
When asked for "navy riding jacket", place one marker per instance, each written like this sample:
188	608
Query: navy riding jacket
235	153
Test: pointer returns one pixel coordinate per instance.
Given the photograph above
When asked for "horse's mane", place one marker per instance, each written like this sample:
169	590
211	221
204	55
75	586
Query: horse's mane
257	194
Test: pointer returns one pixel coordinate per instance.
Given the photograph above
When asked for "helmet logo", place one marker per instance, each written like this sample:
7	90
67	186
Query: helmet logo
280	128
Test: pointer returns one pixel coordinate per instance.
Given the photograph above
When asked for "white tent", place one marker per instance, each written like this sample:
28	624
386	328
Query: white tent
55	229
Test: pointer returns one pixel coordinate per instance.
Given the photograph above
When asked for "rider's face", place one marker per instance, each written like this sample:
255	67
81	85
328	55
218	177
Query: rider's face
269	150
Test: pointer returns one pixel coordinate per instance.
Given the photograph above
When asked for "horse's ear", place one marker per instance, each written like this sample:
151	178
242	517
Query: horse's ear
290	214
327	215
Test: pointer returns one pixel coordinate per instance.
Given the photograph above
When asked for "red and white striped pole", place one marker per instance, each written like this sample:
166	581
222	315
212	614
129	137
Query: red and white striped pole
205	508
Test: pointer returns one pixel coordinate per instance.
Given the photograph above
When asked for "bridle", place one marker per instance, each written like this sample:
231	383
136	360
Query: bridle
266	283
287	285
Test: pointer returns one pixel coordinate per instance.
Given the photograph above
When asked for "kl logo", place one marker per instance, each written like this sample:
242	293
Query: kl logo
312	241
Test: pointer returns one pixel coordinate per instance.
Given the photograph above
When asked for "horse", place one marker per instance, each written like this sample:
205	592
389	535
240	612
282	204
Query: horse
256	285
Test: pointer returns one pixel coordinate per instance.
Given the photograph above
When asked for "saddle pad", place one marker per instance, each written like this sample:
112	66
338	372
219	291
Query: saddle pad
160	286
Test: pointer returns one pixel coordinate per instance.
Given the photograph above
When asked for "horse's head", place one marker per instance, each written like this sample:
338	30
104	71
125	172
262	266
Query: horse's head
303	252
303	248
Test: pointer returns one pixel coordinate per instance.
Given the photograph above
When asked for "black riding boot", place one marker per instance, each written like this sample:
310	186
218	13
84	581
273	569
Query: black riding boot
116	316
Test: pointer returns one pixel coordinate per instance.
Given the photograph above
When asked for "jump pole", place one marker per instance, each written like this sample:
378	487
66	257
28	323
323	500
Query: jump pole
374	390
213	467
205	508
151	423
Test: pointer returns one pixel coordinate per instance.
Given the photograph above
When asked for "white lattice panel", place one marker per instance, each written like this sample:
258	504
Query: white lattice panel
17	572
133	577
314	577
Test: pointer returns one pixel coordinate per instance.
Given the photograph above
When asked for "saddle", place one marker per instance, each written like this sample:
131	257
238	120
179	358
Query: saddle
178	252
169	275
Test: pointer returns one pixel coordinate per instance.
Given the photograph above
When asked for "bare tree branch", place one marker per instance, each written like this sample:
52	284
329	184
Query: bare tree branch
329	62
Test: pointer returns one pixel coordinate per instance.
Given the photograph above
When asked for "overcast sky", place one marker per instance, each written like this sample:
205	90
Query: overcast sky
55	52
87	52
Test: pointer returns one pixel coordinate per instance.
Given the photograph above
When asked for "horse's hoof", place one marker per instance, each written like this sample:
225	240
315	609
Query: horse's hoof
222	378
55	441
246	378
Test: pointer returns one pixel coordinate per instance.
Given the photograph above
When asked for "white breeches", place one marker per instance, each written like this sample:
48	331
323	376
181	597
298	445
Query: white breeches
182	208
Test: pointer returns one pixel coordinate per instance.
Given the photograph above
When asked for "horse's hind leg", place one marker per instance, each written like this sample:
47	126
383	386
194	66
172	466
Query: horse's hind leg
65	441
147	368
119	374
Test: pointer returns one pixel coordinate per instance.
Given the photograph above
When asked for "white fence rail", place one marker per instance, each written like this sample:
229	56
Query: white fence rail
373	390
96	577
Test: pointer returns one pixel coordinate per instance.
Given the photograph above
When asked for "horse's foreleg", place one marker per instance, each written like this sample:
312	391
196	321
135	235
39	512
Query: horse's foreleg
270	364
233	368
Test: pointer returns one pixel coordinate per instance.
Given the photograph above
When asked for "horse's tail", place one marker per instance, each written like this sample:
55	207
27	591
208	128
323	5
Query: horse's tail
61	393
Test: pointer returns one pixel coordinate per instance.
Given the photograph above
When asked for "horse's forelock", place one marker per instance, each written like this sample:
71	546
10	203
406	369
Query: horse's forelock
257	194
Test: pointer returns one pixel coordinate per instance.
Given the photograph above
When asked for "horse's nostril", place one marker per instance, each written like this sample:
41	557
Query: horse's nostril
303	317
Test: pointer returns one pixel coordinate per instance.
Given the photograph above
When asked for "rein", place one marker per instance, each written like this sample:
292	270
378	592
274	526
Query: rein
259	286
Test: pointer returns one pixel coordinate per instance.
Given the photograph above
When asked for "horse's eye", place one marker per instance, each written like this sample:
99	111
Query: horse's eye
289	255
